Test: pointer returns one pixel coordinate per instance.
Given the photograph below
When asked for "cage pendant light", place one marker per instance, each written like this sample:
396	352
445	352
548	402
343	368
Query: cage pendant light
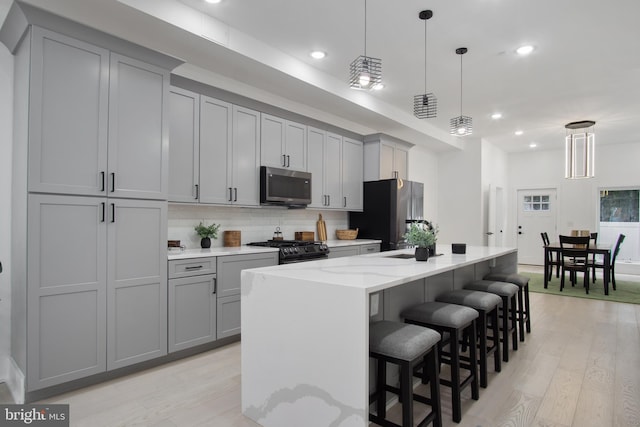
365	72
425	105
461	125
580	150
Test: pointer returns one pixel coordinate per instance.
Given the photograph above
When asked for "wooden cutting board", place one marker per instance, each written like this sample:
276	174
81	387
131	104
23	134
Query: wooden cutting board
322	229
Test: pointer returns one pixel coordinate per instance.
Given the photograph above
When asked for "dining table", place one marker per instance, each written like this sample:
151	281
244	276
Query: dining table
599	249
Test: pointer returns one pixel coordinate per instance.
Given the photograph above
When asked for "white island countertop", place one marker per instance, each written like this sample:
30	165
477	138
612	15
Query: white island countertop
305	327
377	271
336	243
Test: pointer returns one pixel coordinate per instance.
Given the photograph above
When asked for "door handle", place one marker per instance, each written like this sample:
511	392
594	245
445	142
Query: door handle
345	202
328	199
235	194
214	281
284	160
102	178
113	182
104	208
489	233
197	191
230	194
288	160
113	212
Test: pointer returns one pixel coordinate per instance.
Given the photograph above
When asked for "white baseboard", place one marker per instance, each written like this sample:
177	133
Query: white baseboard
627	268
15	381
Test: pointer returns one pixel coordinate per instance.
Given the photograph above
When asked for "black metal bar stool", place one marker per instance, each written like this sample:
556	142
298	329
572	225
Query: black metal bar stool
487	306
452	322
522	282
408	346
508	292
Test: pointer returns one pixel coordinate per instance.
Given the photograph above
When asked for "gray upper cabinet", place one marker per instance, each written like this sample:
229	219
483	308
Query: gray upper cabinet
215	150
385	157
245	157
138	129
324	161
283	143
352	174
66	289
68	112
137	281
96	121
184	145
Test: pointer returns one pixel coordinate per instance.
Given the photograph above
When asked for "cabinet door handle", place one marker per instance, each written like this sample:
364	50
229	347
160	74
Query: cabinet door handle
113	212
193	267
230	194
324	200
113	182
235	194
288	160
214	281
197	191
102	178
104	208
395	174
345	202
284	160
329	200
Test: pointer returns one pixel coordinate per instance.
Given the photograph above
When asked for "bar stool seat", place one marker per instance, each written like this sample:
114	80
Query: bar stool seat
487	306
451	321
524	311
508	292
407	346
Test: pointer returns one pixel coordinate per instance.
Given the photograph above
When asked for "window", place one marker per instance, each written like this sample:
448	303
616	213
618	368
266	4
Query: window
619	205
536	203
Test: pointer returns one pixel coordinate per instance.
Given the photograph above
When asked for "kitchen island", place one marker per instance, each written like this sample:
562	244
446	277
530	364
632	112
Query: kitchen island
305	346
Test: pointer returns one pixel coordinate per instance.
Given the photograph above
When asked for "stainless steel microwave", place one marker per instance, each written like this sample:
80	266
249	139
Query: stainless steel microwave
284	187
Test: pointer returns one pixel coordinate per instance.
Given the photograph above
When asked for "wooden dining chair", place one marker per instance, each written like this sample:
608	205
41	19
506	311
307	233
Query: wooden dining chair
574	254
551	259
594	237
612	262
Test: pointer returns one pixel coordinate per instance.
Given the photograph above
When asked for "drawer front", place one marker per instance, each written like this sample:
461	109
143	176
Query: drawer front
191	267
369	248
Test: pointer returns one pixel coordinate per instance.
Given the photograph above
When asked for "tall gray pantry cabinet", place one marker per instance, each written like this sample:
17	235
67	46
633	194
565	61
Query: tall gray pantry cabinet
89	200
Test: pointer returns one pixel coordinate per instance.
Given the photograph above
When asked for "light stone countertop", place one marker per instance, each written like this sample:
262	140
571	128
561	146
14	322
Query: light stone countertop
377	271
176	253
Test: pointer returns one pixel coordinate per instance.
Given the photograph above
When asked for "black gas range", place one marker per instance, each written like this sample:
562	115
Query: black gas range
296	250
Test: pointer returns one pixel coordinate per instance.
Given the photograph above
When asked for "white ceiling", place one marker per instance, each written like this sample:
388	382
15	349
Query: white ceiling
585	65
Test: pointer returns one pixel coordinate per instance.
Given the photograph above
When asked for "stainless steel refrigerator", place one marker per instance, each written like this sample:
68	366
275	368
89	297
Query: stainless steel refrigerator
389	206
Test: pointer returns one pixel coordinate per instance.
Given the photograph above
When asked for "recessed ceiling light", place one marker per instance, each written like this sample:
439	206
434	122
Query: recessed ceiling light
524	50
533	145
213	1
378	86
318	54
496	116
518	132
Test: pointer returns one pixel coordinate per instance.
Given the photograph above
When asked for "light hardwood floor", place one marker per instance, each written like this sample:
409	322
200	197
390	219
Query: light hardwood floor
580	366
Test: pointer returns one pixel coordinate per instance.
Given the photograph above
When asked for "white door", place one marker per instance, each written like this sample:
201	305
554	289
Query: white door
536	214
495	228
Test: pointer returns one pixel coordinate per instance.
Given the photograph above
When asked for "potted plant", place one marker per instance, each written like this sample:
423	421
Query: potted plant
422	237
206	233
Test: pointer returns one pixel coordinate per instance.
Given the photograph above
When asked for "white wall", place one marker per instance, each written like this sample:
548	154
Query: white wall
460	205
423	167
6	126
616	167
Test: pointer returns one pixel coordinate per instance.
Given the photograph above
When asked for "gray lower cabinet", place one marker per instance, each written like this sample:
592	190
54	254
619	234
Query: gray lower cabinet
344	251
96	286
369	248
229	271
228	316
192	311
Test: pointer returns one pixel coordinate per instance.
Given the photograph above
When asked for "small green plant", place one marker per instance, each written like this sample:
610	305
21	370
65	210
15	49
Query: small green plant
210	231
421	235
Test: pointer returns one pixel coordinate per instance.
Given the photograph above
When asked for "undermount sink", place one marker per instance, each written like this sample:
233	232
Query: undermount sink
402	256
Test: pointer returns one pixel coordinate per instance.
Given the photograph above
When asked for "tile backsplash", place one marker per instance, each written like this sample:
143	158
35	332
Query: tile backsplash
255	224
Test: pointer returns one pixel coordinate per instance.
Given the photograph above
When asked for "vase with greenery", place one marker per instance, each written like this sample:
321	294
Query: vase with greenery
422	237
207	233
